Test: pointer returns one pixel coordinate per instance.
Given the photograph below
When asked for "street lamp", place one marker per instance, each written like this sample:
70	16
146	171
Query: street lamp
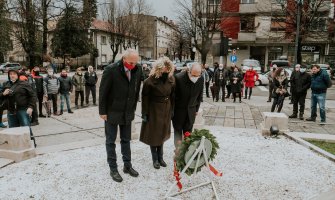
297	35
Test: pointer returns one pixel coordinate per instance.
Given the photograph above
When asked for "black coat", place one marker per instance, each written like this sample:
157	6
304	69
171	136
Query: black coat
22	97
280	85
300	82
117	96
236	87
65	85
90	78
224	77
188	97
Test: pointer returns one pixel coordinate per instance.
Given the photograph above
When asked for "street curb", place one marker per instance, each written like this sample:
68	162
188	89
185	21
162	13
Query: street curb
301	141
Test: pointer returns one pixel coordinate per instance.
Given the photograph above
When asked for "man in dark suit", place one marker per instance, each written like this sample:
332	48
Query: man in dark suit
188	96
118	95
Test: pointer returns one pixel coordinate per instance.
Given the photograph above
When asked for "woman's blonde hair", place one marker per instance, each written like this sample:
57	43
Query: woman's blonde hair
159	65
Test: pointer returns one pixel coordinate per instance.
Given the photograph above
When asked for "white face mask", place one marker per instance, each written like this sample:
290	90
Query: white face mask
302	70
220	67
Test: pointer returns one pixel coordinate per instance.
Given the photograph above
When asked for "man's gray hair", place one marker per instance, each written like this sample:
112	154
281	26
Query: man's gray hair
129	52
195	66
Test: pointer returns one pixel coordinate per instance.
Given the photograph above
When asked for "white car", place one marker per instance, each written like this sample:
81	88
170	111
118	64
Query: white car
251	62
263	78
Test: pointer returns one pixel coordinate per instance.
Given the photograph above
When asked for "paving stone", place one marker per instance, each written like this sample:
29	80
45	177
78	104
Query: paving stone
229	122
239	123
230	113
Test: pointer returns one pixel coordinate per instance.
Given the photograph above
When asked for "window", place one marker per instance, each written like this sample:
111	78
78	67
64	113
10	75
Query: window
247	1
318	24
278	24
247	23
215	2
103	58
103	40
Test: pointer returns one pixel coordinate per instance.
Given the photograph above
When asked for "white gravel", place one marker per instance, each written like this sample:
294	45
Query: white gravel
253	167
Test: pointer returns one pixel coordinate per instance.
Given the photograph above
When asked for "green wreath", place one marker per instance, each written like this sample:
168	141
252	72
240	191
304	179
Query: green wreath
194	138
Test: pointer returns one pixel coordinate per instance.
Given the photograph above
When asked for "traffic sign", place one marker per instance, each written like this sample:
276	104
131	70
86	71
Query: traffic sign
233	58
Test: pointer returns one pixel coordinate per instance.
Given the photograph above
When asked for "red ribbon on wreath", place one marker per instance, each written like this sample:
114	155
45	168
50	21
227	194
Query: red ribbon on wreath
187	134
215	171
177	175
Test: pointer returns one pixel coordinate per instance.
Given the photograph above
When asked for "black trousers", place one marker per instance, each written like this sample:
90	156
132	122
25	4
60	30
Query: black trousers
34	116
223	88
40	101
299	99
157	153
246	92
228	90
81	93
53	98
180	127
88	90
1	113
125	136
276	101
207	88
271	88
239	96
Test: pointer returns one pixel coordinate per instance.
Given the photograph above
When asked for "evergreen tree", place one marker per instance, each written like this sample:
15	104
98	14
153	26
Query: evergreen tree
70	38
90	11
5	27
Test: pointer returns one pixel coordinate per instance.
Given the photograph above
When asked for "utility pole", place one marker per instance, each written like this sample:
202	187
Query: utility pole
297	35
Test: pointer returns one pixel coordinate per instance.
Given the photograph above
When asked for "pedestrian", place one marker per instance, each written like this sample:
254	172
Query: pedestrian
215	66
220	82
280	84
39	89
21	99
25	75
207	83
295	75
235	80
118	96
230	71
3	104
250	77
188	97
320	82
300	83
51	89
145	71
157	108
270	78
78	81
205	75
91	80
65	90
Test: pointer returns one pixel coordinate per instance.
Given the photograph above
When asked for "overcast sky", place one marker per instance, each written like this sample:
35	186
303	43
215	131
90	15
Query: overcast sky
160	7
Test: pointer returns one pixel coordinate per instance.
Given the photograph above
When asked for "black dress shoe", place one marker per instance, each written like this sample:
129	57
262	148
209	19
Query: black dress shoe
293	116
131	171
245	98
70	111
156	164
116	176
42	116
269	101
311	119
34	123
162	163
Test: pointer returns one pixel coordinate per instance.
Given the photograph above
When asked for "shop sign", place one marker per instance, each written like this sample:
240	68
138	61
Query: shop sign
310	48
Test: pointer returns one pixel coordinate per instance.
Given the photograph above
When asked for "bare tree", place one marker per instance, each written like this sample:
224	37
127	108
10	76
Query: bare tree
5	26
199	19
313	21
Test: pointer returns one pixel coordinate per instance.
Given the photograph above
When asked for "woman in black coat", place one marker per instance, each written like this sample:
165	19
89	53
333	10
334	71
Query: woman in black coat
235	81
280	84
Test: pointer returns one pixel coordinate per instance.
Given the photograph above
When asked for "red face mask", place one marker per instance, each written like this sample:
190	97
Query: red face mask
128	66
63	75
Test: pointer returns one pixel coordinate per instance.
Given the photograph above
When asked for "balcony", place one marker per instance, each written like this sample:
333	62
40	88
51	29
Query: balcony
248	8
246	36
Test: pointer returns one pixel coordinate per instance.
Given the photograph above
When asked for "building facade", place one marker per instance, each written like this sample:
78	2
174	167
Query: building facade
261	30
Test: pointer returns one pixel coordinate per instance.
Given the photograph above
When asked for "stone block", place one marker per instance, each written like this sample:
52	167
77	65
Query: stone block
16	144
270	119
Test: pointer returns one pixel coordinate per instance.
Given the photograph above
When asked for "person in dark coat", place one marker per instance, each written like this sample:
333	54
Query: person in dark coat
118	96
21	100
65	89
230	70
300	83
220	78
280	84
188	96
91	80
235	80
39	89
210	76
157	107
270	78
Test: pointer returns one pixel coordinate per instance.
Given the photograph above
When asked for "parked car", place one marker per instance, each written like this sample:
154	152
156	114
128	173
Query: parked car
8	66
281	63
251	62
263	78
102	66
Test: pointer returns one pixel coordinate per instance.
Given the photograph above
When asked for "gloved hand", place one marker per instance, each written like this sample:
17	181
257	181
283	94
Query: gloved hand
29	111
145	118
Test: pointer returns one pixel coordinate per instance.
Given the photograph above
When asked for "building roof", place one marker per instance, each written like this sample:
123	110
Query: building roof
102	25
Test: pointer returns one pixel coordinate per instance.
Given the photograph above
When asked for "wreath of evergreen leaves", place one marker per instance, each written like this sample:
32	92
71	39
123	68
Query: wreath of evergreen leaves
196	135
